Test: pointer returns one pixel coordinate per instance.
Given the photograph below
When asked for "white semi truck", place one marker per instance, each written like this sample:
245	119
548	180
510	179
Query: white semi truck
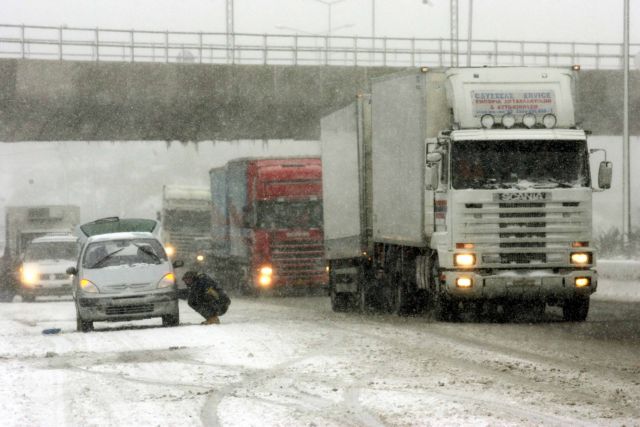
461	189
186	220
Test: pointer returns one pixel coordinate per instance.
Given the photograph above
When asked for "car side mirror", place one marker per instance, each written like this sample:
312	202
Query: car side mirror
604	175
177	264
72	271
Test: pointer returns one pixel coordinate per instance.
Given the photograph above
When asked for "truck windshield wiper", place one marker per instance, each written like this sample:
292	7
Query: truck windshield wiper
104	258
561	184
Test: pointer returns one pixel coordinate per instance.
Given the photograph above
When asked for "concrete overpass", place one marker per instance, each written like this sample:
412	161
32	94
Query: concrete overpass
66	100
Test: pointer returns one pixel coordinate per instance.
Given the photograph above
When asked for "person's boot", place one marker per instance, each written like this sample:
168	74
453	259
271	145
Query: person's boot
213	320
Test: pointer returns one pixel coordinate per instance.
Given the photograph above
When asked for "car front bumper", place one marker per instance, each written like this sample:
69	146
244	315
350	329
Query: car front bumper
126	307
47	289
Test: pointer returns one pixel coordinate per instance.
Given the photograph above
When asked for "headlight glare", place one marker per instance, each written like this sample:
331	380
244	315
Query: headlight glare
580	258
465	260
582	282
464	282
29	276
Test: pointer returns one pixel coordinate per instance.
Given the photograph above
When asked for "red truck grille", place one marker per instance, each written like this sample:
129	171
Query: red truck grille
298	260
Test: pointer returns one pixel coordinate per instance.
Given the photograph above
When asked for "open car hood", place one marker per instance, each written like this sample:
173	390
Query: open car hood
116	225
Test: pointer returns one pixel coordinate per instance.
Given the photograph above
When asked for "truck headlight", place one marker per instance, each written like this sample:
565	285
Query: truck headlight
29	276
581	258
582	282
200	258
170	250
88	287
464	282
464	260
167	281
265	275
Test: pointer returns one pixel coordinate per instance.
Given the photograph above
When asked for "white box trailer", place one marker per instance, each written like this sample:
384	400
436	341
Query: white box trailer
460	188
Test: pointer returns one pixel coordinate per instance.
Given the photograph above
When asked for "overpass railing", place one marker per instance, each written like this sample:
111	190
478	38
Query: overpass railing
94	44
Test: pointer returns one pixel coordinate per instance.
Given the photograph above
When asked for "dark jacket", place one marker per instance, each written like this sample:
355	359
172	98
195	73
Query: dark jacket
206	296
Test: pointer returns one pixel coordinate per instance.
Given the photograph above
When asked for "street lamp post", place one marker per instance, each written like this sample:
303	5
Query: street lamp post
329	5
626	155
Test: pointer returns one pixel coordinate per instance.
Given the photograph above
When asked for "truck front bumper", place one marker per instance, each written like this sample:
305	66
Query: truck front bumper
536	284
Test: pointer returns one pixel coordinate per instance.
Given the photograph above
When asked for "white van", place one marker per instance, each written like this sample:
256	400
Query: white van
44	264
123	273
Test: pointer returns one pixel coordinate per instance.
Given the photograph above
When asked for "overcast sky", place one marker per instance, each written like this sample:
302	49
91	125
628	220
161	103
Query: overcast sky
556	20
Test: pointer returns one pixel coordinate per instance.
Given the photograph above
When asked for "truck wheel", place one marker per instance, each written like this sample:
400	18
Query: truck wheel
83	325
576	309
401	300
169	320
340	301
446	310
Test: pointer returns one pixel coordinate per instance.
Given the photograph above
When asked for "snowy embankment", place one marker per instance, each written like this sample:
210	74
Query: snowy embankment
621	280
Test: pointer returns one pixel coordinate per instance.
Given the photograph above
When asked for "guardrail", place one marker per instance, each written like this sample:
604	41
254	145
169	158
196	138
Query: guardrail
94	44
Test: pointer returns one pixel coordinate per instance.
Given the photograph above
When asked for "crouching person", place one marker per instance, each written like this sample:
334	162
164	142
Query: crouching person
205	295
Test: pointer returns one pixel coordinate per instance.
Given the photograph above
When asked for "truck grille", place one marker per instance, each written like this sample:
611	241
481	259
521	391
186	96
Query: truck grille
523	233
129	309
298	260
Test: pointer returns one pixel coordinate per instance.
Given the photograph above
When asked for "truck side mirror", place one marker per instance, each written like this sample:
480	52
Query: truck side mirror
177	264
432	176
604	175
72	271
432	171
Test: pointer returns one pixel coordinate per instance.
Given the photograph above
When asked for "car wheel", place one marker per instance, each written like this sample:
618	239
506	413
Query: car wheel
169	320
83	325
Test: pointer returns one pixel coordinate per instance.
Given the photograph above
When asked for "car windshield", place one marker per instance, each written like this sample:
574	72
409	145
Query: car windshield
282	215
519	164
111	253
38	251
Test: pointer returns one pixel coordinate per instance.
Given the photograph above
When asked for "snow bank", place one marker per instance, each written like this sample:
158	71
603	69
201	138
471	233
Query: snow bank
619	269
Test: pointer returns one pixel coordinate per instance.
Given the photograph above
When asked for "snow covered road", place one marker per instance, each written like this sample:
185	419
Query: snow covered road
291	361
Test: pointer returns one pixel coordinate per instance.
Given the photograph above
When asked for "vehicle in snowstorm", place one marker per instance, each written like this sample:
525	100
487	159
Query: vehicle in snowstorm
22	225
466	188
44	265
185	217
123	273
267	224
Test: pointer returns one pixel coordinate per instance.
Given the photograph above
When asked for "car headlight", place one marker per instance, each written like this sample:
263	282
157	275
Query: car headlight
88	287
464	260
200	258
581	258
167	281
29	276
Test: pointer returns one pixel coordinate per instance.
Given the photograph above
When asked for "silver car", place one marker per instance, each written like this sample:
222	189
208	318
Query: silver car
123	275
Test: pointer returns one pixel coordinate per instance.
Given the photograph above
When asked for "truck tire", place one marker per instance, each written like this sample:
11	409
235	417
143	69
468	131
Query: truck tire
83	325
576	309
402	300
340	301
169	320
445	309
6	295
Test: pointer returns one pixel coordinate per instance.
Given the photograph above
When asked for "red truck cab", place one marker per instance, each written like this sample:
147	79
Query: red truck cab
267	226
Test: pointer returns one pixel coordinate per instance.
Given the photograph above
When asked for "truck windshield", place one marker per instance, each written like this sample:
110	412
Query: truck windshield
289	215
519	164
197	221
51	250
111	253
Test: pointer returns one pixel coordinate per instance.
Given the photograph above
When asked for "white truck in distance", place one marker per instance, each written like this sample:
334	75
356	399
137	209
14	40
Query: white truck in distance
460	189
185	219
